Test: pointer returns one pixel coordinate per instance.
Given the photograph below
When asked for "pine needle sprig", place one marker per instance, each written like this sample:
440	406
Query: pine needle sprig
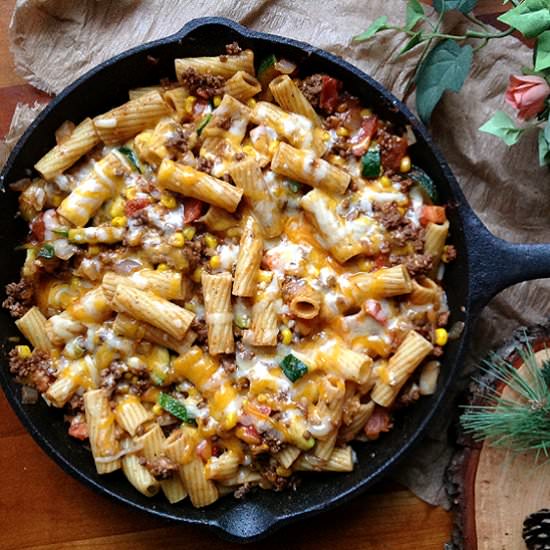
521	423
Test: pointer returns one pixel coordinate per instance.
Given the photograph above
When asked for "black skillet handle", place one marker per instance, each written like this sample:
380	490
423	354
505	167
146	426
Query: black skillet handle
496	264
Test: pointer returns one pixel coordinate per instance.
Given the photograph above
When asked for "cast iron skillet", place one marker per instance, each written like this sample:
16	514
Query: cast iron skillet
485	265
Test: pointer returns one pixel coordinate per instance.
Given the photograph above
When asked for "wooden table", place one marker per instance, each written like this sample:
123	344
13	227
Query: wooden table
43	507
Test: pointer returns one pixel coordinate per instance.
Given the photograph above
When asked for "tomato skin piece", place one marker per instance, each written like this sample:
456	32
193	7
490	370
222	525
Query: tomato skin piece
135	205
361	141
433	214
330	94
379	421
38	227
374	309
192	210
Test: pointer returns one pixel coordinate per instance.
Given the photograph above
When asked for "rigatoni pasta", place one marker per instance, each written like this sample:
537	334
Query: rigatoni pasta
223	291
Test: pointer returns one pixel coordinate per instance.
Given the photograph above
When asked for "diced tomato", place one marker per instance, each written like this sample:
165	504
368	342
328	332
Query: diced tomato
135	205
374	309
393	151
192	210
204	449
78	428
431	213
216	451
379	421
330	93
38	227
362	139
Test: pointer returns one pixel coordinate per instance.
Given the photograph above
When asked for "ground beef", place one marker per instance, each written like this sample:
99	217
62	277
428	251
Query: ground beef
202	85
272	441
19	298
193	251
160	467
223	122
408	233
392	149
279	483
243	490
408	395
199	326
342	147
112	375
246	353
228	364
204	164
233	48
76	404
418	264
449	253
311	87
179	140
443	319
379	421
388	214
35	370
404	182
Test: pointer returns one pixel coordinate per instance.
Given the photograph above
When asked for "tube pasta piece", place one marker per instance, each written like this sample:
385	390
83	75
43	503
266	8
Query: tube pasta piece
434	241
144	90
290	98
144	306
193	183
96	235
428	377
242	86
230	65
247	176
131	414
128	120
82	139
202	491
97	187
74	376
92	307
323	448
101	429
303	166
175	99
139	476
179	446
358	422
166	284
341	460
425	291
62	327
244	475
296	129
229	121
264	327
218	219
304	301
33	326
384	283
216	290
412	351
248	261
222	467
334	356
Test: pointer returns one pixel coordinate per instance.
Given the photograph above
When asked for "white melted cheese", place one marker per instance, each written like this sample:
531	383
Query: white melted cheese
228	256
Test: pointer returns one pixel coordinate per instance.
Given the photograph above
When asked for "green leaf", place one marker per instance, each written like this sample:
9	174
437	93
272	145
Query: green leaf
377	25
542	52
544	146
502	126
371	163
531	17
175	408
463	6
445	68
415	13
413	41
293	367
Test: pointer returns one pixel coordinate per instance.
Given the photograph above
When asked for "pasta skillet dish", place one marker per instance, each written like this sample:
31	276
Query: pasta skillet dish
229	278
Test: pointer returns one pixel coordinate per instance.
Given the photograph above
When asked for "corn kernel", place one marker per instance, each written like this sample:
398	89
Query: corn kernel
217	100
162	267
342	132
168	200
286	336
117	208
251	103
189	306
23	352
131	193
190	103
119	221
197	274
326	136
94	250
385	181
366	112
215	262
249	150
264	276
177	240
405	165
56	200
157	409
210	241
441	336
189	233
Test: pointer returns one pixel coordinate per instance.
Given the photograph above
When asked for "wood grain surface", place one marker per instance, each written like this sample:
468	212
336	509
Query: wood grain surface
44	508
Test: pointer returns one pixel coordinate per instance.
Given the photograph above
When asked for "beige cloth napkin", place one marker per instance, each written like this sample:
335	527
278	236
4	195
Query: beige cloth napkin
54	41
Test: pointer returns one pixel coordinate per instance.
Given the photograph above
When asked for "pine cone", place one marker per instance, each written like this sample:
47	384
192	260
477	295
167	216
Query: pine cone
536	530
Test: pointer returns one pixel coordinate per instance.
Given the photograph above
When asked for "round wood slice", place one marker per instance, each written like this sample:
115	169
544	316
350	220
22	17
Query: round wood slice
494	490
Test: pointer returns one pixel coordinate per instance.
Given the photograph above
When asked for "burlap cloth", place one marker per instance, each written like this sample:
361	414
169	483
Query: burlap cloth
55	41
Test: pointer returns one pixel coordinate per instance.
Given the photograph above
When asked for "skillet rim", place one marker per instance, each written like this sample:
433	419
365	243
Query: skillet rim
463	211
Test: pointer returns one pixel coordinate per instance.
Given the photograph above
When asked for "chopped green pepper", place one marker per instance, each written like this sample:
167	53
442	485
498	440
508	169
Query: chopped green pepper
242	321
266	64
293	367
131	156
294	186
371	163
425	182
47	251
202	124
62	231
175	408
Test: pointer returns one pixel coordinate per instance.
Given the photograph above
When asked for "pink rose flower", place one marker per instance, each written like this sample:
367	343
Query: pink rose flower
527	94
